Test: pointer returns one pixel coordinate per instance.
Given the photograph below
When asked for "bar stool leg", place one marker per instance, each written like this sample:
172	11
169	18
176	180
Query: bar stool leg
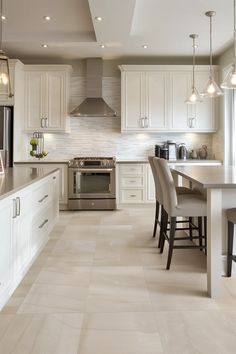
156	218
164	222
200	231
205	233
230	247
190	228
171	243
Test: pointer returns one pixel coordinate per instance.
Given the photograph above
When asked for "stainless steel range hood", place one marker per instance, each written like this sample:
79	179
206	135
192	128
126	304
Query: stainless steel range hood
94	105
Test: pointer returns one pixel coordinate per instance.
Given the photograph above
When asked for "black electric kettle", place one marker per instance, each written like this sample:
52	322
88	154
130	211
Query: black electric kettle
183	152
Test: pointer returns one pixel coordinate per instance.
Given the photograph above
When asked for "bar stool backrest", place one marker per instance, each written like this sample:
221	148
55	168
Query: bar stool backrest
158	188
170	200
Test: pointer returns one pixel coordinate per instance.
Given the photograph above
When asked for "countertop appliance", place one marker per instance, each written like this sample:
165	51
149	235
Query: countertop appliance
92	183
6	136
172	150
183	152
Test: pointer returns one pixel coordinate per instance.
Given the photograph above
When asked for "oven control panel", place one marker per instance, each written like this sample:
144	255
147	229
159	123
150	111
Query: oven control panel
81	162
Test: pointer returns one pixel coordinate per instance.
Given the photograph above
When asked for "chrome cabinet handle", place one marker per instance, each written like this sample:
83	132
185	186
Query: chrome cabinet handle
146	122
42	225
14	209
132	181
18	206
41	200
54	177
192	122
46	122
142	122
42	123
132	195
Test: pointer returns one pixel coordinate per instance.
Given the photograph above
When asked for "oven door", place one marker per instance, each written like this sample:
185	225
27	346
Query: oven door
91	183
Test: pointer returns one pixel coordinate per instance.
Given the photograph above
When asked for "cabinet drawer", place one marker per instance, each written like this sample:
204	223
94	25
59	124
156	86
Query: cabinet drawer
132	169
131	195
41	196
41	227
132	182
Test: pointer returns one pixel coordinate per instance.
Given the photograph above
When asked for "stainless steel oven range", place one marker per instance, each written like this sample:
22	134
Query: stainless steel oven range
92	183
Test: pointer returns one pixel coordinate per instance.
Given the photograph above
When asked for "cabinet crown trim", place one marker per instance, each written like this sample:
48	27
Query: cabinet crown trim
167	68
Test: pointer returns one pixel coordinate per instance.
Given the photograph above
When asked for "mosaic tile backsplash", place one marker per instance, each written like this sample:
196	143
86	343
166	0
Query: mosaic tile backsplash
99	136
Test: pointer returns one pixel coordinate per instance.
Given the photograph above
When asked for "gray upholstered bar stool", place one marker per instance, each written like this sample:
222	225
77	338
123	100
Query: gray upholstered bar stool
178	205
231	216
158	193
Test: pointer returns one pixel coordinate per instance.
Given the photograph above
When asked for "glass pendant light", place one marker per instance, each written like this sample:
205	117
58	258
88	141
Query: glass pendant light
211	89
230	79
5	82
194	96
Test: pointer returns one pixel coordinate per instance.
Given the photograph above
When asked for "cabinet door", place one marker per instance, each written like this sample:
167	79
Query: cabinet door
205	110
156	101
55	100
34	99
180	110
133	105
5	249
21	232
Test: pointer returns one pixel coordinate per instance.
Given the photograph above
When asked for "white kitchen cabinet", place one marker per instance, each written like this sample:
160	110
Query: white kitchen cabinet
5	249
143	101
21	231
46	97
25	227
154	97
135	183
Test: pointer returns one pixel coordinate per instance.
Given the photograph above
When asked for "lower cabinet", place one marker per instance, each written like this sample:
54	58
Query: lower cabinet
5	249
26	219
135	183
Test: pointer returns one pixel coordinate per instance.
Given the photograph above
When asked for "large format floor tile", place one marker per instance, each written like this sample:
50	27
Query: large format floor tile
100	287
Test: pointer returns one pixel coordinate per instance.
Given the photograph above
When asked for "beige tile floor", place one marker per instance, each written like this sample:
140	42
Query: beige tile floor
100	287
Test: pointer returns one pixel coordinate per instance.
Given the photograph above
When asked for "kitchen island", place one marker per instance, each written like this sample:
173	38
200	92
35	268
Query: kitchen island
29	209
220	184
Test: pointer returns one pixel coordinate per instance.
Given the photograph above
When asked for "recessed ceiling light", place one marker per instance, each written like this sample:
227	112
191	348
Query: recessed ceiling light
4	17
98	18
47	18
102	46
44	45
145	46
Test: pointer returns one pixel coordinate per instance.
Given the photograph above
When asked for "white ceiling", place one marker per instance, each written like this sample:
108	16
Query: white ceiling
73	32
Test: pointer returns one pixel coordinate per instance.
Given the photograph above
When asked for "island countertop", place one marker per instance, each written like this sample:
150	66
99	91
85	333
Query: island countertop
209	176
18	177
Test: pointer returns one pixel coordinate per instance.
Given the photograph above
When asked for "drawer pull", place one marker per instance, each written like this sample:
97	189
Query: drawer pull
41	200
133	195
132	181
42	225
54	177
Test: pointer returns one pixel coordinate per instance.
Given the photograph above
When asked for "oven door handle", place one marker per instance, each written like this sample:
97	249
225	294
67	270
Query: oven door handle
94	170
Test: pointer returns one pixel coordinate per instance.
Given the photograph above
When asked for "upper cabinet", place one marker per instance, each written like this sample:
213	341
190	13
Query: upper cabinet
153	99
46	97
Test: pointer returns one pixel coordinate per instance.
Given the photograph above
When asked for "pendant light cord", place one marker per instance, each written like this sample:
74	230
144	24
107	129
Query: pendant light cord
211	46
194	51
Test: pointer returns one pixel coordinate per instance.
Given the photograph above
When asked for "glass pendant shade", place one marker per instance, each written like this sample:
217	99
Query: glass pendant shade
211	90
194	96
230	79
